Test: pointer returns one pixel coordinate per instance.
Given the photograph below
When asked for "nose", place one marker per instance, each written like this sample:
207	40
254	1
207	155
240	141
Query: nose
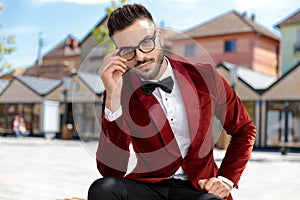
139	55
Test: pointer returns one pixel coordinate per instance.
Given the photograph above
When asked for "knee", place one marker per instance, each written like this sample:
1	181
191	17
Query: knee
209	196
105	188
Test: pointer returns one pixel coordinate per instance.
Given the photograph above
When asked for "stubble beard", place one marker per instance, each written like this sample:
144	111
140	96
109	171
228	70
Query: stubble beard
157	64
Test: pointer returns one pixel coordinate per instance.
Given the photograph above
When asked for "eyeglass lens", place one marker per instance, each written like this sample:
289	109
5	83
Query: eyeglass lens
147	45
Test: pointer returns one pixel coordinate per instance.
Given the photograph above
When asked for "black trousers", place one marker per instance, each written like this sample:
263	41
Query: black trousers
110	188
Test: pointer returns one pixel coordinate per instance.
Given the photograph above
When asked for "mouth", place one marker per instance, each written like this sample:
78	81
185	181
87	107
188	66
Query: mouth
144	66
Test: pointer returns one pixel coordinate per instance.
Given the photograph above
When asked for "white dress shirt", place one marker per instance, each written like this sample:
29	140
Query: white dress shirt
173	107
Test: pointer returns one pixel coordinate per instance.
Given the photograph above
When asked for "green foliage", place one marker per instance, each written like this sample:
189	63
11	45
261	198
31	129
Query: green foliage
7	46
101	32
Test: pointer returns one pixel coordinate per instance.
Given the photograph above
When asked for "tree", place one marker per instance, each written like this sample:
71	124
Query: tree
7	46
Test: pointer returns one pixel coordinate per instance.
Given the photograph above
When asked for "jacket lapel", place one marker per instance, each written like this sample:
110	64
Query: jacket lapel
190	97
198	106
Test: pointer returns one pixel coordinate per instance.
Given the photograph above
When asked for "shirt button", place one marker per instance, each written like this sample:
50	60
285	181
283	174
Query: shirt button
166	99
171	119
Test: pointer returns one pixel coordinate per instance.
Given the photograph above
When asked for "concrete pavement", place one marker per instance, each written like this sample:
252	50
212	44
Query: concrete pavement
41	169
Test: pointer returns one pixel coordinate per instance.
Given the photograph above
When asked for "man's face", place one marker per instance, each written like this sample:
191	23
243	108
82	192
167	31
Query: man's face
140	44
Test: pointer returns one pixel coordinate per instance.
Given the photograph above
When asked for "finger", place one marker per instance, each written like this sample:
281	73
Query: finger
219	188
202	183
108	62
110	73
112	56
112	66
213	185
222	193
214	189
126	70
209	184
113	53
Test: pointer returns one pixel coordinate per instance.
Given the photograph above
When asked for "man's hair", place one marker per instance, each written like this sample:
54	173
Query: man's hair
126	16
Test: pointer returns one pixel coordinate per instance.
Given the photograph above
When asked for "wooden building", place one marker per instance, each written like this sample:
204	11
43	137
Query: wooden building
79	100
290	40
233	38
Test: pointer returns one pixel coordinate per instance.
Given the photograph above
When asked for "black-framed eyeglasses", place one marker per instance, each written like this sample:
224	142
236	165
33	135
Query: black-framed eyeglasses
146	45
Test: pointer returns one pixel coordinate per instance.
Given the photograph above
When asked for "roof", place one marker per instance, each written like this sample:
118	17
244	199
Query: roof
68	47
13	72
291	20
285	75
93	81
228	23
256	80
3	85
54	70
41	86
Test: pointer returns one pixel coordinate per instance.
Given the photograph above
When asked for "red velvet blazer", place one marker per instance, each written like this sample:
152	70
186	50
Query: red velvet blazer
143	123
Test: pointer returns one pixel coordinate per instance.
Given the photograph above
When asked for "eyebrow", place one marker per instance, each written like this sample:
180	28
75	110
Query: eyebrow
128	47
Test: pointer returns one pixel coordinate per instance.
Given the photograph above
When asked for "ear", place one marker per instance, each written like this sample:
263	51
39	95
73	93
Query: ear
160	37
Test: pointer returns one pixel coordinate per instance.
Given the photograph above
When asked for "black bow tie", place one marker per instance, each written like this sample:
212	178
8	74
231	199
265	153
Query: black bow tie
166	85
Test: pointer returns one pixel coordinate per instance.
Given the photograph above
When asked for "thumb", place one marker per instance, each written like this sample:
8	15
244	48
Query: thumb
202	183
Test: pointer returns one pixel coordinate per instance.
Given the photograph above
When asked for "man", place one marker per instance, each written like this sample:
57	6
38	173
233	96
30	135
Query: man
165	109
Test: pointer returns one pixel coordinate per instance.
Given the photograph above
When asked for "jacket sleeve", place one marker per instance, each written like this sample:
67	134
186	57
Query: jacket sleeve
113	148
237	123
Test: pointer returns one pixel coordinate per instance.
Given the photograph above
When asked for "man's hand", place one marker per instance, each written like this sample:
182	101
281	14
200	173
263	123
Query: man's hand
215	186
111	72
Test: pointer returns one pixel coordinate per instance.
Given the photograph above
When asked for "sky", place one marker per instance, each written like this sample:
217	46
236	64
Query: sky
54	20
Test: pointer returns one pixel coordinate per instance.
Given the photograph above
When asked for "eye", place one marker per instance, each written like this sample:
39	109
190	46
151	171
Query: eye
147	42
125	51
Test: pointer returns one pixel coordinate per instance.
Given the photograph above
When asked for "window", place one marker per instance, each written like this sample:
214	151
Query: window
190	50
86	116
230	46
297	46
283	120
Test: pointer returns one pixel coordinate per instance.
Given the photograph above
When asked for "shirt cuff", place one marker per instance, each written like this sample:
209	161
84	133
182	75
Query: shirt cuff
112	116
226	180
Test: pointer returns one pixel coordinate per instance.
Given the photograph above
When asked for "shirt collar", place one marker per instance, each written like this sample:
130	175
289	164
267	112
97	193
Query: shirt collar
168	72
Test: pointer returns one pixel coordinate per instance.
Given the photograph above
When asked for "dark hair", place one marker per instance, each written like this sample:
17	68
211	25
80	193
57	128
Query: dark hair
126	16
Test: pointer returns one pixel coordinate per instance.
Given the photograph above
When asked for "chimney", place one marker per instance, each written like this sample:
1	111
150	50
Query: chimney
253	17
40	46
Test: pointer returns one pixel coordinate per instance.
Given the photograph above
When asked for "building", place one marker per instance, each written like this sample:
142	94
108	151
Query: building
77	93
233	38
77	99
290	41
249	86
281	105
62	61
24	94
236	43
93	49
